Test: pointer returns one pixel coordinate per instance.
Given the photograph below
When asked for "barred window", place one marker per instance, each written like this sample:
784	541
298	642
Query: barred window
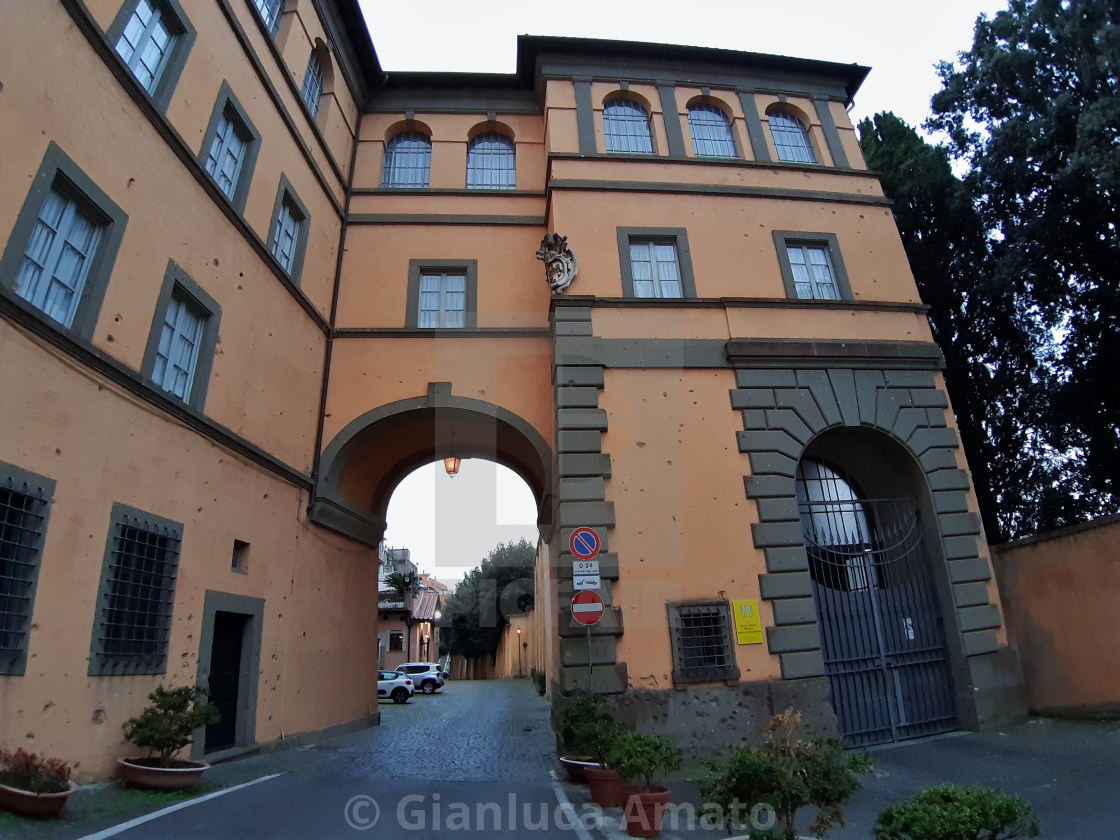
24	501
701	638
137	595
626	127
490	163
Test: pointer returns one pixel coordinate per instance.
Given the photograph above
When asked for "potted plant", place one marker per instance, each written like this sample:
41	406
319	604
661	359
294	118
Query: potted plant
643	759
790	770
32	786
598	737
164	728
574	712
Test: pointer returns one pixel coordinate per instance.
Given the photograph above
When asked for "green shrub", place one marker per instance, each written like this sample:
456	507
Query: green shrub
27	771
538	680
951	812
597	737
786	773
575	711
166	726
644	758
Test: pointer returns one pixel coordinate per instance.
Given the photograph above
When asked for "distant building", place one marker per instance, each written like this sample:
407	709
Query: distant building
249	281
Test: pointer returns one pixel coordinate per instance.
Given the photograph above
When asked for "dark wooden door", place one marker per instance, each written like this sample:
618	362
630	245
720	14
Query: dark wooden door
225	678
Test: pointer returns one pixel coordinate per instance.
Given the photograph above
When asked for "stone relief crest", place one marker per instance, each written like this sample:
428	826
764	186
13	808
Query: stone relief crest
560	263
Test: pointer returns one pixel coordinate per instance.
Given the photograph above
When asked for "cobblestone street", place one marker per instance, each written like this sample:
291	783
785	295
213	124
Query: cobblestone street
469	731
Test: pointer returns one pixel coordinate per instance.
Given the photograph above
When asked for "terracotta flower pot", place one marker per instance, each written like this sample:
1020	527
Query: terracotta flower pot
147	774
576	765
603	784
28	804
643	808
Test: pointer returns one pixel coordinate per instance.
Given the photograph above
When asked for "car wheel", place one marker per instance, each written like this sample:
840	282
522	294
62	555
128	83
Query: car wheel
429	687
400	695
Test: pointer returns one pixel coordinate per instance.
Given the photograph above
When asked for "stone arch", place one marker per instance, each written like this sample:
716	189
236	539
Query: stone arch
898	409
368	458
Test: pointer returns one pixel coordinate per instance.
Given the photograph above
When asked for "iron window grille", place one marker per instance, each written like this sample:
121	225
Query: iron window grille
790	139
408	160
270	11
491	163
701	639
312	90
711	132
626	128
24	501
137	595
654	268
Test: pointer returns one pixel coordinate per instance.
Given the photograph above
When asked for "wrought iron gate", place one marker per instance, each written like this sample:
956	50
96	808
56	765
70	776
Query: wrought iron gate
881	629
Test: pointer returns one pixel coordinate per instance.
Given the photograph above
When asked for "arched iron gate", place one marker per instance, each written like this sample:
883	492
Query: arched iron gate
881	629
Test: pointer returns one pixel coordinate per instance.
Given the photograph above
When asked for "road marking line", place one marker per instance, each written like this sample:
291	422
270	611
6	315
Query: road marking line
123	827
561	797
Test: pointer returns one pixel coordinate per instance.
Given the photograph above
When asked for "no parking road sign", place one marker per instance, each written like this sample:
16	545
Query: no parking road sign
587	607
584	543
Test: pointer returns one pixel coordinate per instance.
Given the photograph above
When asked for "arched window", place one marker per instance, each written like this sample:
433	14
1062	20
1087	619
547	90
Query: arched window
312	90
491	163
626	124
711	132
408	160
790	139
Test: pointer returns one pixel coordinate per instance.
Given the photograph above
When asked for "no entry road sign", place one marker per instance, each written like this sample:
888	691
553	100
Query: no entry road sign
587	607
584	543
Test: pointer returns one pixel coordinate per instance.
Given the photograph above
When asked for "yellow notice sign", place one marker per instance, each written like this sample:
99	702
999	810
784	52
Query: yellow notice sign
748	623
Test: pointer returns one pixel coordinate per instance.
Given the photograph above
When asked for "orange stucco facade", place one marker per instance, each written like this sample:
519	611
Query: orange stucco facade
365	295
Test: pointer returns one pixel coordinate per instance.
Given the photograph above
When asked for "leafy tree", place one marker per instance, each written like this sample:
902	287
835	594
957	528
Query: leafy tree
1034	110
476	612
991	345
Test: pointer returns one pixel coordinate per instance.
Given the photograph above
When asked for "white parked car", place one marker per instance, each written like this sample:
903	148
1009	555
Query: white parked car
427	676
394	686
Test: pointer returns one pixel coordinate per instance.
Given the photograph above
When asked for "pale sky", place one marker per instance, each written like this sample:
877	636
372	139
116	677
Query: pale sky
451	524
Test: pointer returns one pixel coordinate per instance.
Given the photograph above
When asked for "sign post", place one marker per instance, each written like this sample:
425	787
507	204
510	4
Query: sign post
587	609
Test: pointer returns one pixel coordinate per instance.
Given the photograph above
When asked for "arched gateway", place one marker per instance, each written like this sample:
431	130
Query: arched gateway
367	459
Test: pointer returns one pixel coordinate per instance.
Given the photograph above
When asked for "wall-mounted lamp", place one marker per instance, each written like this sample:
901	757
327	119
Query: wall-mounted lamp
451	465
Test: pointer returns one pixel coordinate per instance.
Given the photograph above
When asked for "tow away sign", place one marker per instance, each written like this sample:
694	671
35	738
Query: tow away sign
585	575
